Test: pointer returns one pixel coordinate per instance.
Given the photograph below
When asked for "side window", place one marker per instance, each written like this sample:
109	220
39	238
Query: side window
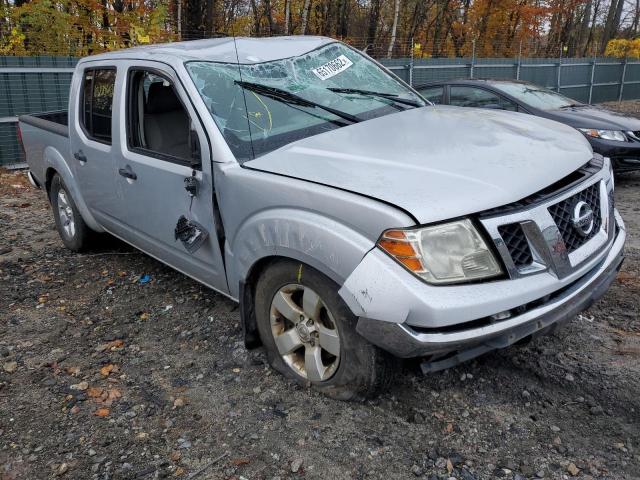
158	124
463	96
97	103
433	94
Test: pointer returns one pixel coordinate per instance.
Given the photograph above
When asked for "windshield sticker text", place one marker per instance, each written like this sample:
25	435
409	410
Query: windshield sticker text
332	68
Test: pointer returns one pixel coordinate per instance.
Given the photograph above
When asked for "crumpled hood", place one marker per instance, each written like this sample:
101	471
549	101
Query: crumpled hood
437	162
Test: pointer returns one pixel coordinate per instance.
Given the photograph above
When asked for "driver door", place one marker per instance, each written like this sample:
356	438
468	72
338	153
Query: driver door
162	145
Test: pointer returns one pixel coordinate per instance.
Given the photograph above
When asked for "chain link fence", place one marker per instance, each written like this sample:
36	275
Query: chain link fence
41	83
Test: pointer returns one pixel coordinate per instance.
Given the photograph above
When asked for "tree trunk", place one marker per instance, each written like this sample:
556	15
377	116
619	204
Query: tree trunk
179	18
394	29
342	25
256	18
287	16
269	14
3	16
633	30
210	26
374	17
418	18
305	16
584	26
439	20
611	24
485	23
459	38
594	17
616	19
230	15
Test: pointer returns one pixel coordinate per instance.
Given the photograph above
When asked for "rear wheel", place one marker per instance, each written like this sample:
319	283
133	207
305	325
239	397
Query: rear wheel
310	336
73	231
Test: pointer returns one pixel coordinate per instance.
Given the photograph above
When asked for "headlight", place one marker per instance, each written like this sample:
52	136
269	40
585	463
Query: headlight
446	253
604	134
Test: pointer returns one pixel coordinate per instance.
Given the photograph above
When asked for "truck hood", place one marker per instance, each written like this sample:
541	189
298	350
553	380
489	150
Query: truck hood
437	162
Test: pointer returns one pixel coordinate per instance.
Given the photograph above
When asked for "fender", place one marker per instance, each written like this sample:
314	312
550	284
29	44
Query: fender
321	242
54	160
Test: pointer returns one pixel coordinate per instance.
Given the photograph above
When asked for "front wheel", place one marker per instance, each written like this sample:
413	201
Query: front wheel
309	333
75	234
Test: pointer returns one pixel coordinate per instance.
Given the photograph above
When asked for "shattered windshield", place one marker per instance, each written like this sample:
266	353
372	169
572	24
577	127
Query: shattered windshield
264	106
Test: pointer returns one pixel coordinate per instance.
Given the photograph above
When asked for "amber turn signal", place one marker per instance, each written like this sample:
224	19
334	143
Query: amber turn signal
395	248
400	246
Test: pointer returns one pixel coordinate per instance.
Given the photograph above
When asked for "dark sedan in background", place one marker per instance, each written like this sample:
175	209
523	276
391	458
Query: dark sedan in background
611	134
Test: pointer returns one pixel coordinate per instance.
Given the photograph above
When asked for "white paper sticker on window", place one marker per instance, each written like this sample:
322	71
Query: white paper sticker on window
332	68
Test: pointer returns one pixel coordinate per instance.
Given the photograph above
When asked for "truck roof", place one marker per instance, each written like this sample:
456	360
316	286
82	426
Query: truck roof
249	50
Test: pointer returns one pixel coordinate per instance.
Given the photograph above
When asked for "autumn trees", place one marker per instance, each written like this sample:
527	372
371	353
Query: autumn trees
385	28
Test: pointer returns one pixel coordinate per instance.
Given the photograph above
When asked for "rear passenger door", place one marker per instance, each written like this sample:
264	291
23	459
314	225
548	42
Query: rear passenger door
159	132
90	128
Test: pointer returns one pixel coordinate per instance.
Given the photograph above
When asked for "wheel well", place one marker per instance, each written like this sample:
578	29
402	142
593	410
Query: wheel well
246	296
48	179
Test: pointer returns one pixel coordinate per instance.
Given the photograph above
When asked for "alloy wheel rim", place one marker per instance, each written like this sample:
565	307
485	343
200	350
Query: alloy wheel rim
65	212
305	332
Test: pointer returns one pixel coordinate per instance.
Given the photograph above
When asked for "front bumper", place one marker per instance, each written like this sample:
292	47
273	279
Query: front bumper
625	156
406	335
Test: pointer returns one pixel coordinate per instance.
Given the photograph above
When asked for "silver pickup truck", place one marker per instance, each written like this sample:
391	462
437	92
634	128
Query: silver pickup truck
353	221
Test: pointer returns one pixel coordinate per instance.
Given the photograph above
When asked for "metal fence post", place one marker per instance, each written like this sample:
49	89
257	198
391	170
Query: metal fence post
519	61
473	57
593	72
624	72
411	63
559	69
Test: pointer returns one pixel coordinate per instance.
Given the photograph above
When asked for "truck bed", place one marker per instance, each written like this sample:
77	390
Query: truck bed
56	122
44	135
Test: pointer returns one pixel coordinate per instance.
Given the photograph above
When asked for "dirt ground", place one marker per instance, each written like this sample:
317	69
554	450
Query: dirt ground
105	375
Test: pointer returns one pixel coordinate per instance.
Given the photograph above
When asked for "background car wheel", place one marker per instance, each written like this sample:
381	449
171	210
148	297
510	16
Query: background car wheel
309	334
75	234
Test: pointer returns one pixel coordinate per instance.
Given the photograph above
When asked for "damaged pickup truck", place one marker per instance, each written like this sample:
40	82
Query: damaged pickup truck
354	222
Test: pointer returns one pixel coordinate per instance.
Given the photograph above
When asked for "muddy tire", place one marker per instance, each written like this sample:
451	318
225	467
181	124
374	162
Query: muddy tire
75	234
309	334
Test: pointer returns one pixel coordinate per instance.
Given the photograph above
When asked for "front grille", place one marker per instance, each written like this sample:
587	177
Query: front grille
568	182
562	214
516	242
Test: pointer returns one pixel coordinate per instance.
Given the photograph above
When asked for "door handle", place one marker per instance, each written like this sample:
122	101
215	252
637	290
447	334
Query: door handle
128	173
80	156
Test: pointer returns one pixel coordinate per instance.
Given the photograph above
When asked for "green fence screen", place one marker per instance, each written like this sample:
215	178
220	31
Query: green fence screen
40	84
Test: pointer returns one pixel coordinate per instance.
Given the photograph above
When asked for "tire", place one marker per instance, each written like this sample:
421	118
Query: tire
75	234
359	371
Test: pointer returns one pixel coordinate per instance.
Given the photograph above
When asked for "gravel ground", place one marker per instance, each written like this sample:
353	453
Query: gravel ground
106	375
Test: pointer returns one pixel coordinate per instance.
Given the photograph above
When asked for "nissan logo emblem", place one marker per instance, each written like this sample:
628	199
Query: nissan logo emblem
582	218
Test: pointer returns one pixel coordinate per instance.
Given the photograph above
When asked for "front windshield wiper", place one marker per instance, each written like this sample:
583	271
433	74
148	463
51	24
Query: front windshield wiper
293	99
388	96
573	105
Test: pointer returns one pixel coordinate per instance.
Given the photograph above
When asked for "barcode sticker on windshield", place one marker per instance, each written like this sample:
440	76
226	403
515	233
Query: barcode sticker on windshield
332	68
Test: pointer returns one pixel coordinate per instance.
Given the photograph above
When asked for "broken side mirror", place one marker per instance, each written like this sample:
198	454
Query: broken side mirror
196	154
